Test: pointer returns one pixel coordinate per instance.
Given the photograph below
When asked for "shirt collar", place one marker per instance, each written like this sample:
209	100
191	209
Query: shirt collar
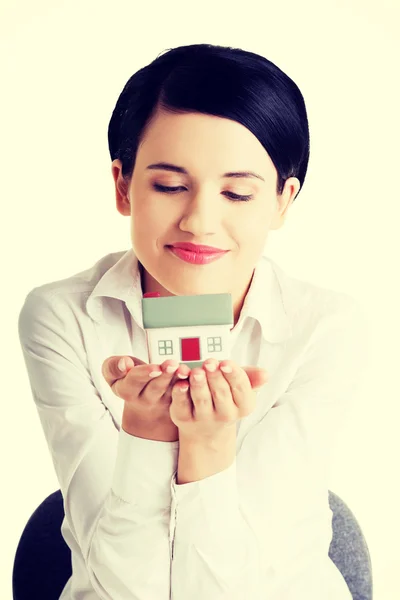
264	301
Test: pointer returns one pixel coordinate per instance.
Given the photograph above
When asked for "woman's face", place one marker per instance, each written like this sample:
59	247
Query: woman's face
203	209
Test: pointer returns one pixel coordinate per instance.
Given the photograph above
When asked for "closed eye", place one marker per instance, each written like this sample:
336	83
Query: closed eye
170	190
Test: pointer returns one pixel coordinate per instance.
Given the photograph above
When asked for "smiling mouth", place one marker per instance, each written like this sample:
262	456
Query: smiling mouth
196	258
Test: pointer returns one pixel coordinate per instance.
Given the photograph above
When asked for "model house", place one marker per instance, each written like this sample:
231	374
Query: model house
188	329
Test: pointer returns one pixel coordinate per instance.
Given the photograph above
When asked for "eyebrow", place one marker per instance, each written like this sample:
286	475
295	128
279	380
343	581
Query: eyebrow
169	167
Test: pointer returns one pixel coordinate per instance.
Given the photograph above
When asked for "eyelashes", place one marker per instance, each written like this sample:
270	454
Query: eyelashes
170	190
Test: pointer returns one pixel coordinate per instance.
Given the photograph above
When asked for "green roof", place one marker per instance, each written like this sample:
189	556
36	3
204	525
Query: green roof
183	311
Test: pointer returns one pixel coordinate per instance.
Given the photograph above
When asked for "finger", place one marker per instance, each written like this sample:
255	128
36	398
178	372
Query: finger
160	386
172	370
131	383
183	371
159	379
257	376
200	394
182	405
219	389
240	386
110	370
236	376
177	375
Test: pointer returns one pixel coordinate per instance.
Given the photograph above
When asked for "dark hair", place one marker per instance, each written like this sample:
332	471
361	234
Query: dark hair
222	81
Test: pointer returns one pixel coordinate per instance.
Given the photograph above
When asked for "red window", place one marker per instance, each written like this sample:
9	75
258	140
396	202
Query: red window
190	349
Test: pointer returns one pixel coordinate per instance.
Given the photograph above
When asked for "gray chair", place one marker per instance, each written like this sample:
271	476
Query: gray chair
42	564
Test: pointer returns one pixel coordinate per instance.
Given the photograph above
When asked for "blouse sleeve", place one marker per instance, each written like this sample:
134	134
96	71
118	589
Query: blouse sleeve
261	529
116	487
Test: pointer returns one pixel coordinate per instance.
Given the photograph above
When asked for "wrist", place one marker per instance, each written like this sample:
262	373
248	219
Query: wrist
148	429
225	439
199	459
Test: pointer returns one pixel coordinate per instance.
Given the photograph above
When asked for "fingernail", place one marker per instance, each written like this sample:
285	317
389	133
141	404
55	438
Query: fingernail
210	367
155	373
181	376
171	369
199	376
226	369
122	365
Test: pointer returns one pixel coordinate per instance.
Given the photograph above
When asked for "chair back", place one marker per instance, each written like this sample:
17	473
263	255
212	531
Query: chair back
42	564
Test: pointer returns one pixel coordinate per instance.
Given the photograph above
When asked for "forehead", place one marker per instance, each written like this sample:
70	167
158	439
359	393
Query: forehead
204	141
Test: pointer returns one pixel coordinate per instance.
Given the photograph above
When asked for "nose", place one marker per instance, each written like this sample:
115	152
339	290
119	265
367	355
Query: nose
201	216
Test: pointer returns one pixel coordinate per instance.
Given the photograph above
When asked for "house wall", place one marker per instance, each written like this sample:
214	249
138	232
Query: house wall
175	334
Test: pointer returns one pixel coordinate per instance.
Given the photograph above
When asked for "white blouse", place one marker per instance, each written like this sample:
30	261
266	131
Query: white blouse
259	530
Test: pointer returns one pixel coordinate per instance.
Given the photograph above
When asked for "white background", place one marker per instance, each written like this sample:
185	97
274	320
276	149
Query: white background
64	65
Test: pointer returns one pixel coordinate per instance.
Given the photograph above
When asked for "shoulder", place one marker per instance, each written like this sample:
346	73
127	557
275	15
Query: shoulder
311	307
52	298
330	332
81	282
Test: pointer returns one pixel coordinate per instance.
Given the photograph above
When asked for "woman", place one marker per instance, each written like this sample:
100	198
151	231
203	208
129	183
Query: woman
218	491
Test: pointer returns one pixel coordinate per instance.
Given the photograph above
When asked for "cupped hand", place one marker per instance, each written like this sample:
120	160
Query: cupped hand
212	405
147	392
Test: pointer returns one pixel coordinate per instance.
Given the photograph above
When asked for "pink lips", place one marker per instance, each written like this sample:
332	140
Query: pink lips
203	257
197	247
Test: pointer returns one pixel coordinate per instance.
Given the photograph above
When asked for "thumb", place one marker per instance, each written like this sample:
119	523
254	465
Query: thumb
110	367
257	376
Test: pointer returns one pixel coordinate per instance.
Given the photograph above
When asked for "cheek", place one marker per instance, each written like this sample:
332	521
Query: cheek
148	231
252	226
146	217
